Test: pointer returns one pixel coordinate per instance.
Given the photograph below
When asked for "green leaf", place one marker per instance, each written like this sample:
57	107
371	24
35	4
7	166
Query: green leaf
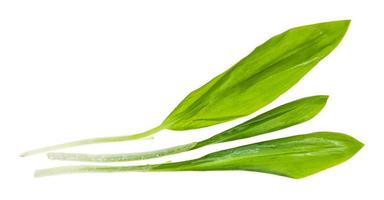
296	157
278	118
255	81
262	76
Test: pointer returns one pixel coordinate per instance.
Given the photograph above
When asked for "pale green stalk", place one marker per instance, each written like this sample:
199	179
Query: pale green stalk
95	141
123	156
88	169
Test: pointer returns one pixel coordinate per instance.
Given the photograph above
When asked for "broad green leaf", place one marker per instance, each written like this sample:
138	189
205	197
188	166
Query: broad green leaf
259	78
296	157
278	118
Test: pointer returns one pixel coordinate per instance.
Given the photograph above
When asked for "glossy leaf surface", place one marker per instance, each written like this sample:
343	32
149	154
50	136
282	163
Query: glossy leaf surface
296	157
278	118
259	78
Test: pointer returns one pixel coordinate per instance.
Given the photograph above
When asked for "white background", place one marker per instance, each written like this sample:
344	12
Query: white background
78	69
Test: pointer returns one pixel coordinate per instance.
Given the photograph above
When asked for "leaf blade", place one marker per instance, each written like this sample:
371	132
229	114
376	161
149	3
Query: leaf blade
259	78
286	115
295	157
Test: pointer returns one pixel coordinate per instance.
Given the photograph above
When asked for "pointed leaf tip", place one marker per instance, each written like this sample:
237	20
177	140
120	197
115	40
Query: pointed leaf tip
259	78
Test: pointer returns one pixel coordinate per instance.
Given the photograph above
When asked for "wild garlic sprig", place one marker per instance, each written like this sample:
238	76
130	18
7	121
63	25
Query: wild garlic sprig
278	118
255	81
295	157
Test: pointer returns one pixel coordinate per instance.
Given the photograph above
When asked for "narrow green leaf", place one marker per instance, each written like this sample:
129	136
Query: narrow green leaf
286	115
296	157
255	81
278	118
